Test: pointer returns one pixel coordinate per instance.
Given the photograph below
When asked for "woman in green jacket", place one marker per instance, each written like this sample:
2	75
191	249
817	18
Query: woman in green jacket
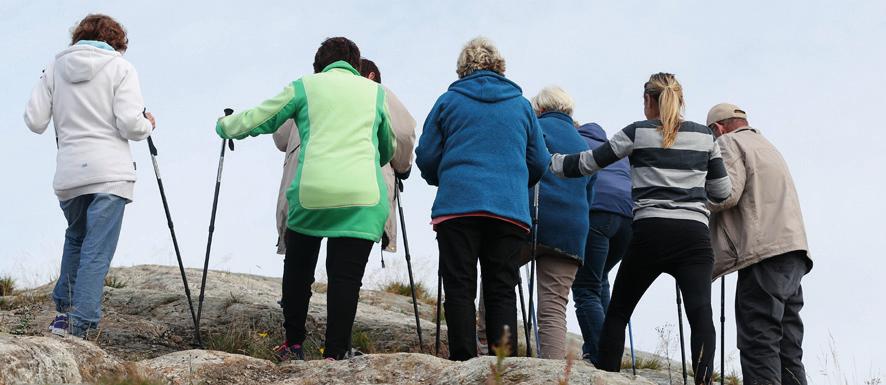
338	191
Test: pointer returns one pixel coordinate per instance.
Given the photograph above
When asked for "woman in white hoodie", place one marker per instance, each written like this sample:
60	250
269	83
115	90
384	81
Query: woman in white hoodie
93	97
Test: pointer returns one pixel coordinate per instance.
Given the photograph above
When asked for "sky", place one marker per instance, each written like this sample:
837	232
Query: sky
810	74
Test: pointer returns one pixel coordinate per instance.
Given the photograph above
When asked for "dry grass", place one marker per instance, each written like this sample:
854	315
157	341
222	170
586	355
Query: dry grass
400	288
731	378
567	371
653	363
835	374
114	282
245	337
497	370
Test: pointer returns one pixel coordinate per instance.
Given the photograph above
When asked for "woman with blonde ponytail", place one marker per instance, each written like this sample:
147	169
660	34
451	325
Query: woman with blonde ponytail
675	169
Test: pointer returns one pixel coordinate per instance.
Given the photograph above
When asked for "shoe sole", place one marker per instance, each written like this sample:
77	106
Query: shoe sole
59	332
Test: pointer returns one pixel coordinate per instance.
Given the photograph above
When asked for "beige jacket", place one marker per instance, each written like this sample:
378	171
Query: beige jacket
762	217
287	140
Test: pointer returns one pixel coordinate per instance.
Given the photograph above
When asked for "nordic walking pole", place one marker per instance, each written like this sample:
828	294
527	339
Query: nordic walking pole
633	358
439	299
178	255
722	329
533	318
523	313
680	320
397	184
221	163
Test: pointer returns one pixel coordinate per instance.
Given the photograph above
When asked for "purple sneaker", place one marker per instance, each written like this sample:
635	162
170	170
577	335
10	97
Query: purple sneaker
60	325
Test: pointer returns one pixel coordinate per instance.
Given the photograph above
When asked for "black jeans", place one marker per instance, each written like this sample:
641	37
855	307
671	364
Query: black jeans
681	248
497	245
345	263
768	299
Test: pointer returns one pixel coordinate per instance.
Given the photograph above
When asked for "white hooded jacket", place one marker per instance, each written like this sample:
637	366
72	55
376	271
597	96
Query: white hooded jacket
93	97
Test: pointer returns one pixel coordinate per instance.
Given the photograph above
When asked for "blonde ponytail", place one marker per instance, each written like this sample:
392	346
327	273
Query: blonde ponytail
665	88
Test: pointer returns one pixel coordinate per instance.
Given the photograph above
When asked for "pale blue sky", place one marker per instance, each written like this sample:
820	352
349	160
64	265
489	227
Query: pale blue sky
810	74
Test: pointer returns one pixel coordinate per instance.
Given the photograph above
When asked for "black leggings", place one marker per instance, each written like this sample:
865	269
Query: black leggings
497	245
345	263
681	248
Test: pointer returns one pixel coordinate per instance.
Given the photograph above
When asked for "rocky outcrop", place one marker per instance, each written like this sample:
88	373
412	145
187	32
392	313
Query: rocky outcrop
147	331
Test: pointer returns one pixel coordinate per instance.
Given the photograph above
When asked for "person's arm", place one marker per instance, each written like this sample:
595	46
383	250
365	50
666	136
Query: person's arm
281	136
266	117
403	125
129	108
589	162
429	152
387	144
736	175
38	113
537	155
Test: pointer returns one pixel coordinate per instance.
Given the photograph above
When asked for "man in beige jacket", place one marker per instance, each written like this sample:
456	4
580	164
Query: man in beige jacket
403	124
759	232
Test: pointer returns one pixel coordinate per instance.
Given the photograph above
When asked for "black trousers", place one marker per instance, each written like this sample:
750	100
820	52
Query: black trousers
345	263
768	299
681	248
497	245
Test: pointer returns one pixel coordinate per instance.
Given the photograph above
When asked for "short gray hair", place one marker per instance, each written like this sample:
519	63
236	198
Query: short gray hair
553	99
479	54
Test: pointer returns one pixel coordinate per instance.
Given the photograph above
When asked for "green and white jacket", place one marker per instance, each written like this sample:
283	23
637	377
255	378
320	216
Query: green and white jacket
345	131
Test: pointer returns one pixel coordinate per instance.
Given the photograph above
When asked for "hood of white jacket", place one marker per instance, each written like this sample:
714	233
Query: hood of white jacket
80	63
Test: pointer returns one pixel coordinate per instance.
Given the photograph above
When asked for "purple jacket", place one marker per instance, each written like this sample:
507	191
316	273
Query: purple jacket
613	187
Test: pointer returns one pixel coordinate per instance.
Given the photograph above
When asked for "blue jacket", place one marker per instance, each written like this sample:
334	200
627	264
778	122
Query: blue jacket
563	203
613	187
482	146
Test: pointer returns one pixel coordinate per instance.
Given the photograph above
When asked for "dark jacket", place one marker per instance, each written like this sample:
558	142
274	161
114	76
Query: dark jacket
482	146
563	203
613	187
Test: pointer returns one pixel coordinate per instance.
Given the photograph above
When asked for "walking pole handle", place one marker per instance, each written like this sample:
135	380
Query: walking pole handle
228	112
151	146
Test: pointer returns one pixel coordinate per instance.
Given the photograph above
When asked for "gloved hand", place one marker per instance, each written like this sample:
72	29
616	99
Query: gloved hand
403	175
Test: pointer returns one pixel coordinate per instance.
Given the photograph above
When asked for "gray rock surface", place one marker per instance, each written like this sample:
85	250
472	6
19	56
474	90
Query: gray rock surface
147	331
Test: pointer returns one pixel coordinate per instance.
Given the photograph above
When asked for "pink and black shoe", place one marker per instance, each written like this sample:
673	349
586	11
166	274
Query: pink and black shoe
287	352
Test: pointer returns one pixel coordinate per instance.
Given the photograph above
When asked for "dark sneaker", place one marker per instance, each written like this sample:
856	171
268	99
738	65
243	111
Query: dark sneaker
60	325
286	352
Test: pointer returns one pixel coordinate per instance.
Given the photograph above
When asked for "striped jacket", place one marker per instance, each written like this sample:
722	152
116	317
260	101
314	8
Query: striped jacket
674	182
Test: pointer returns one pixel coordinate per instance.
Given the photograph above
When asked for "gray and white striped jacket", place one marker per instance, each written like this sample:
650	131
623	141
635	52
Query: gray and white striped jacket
674	182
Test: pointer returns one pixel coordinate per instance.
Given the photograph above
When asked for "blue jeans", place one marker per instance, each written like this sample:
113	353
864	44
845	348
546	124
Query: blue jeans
607	243
94	222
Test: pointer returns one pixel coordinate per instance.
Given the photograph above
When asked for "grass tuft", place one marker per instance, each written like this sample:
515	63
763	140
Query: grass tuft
567	371
400	288
361	340
7	286
653	363
246	338
497	370
114	282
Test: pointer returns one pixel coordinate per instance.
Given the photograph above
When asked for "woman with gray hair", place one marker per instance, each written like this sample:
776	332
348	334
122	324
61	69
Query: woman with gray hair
482	147
562	222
